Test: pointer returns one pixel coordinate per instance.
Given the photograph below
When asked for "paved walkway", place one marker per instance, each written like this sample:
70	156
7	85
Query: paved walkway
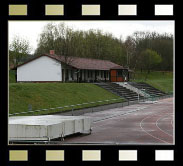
134	124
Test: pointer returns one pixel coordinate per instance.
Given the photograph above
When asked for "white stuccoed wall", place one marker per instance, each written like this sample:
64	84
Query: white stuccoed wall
41	69
46	127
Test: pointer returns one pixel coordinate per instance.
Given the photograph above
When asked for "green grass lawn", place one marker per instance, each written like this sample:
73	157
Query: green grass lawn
160	80
51	95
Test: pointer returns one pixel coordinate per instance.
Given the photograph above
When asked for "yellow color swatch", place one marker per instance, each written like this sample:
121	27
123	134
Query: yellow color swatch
55	155
90	10
54	10
18	155
127	155
91	155
17	10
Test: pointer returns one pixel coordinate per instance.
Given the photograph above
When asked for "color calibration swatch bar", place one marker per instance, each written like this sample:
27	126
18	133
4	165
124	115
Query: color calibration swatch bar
90	10
18	155
127	155
127	10
55	155
54	10
165	10
164	155
91	155
17	10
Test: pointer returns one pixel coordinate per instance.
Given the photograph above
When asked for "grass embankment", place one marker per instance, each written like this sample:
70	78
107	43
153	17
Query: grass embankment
51	95
160	80
12	78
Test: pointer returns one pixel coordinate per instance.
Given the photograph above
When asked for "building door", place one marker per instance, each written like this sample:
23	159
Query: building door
120	76
67	75
113	75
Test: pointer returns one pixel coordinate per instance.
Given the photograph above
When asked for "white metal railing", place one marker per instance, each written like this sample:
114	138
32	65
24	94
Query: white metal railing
132	88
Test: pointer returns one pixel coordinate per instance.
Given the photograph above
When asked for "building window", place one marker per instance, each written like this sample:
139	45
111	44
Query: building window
119	73
102	74
84	74
107	74
81	73
88	74
125	73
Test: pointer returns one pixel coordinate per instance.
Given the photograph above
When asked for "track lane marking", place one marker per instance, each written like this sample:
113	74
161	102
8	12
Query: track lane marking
149	133
117	115
131	113
160	128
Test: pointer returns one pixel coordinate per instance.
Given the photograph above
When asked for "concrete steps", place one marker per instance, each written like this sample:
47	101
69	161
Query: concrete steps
120	91
148	88
129	94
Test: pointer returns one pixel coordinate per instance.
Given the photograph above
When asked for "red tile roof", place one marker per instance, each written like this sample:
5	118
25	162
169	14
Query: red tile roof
87	63
82	63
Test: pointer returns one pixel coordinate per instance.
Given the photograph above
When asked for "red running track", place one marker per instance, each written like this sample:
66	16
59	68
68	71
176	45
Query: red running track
151	124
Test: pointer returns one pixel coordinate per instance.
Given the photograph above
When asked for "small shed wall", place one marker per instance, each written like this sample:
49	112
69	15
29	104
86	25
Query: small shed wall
41	69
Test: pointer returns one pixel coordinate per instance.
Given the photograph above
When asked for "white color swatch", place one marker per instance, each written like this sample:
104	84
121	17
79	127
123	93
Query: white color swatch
164	155
163	10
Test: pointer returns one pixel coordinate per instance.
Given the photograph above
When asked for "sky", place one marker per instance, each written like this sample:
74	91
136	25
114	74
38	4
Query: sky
30	30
